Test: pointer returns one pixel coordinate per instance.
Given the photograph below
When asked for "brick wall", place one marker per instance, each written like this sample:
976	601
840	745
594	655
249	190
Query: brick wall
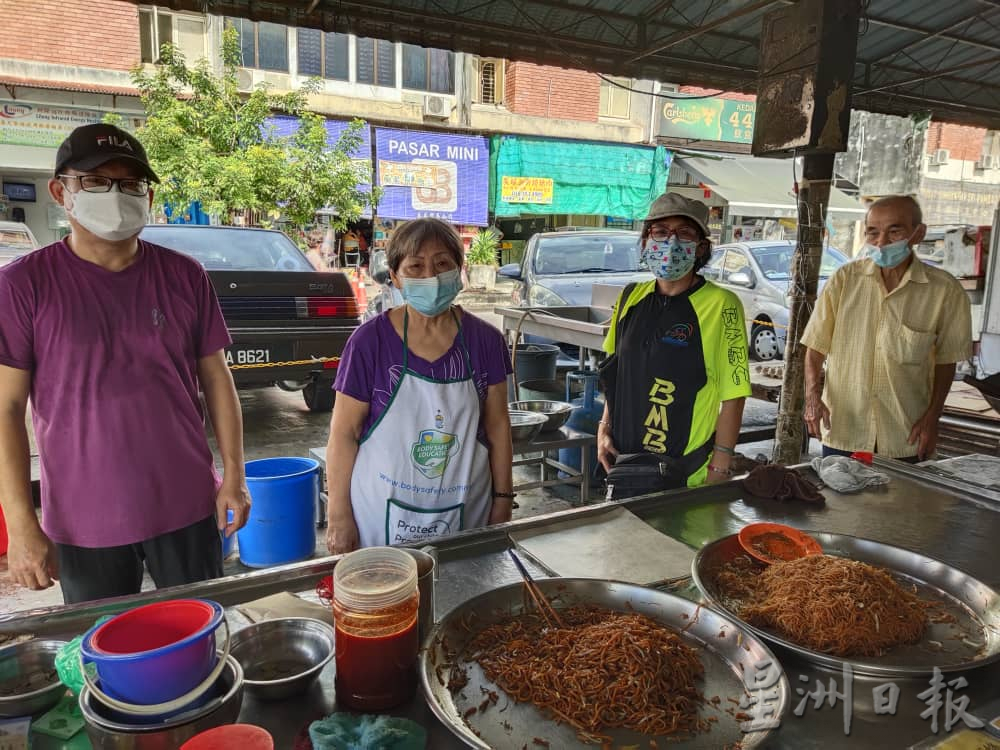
698	91
963	142
91	33
546	91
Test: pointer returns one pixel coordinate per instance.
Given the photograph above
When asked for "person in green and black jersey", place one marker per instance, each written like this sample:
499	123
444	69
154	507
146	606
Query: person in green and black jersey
677	385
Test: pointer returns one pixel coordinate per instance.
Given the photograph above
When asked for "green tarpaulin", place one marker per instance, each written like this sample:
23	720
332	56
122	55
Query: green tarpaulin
575	177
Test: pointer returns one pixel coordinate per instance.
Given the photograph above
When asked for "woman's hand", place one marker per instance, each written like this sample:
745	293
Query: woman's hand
341	533
607	453
500	511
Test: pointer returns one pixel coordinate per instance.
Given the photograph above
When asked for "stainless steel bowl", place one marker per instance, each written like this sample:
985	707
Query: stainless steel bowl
30	684
282	657
556	412
111	734
524	425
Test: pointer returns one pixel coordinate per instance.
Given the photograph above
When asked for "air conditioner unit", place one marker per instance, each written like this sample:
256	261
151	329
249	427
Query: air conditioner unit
940	156
244	80
437	107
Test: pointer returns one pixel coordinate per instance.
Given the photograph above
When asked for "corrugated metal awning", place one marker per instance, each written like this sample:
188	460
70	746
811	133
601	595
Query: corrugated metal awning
914	56
759	187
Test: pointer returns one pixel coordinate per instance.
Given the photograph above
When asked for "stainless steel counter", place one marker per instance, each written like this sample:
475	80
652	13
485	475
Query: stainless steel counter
949	520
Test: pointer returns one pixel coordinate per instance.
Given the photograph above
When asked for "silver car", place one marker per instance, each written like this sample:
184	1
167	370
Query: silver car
759	273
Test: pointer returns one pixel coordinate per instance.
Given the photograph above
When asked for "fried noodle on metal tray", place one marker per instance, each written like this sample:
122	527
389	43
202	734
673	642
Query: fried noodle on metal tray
604	670
828	604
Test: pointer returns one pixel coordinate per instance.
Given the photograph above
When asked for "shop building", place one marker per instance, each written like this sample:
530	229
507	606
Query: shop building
64	56
61	65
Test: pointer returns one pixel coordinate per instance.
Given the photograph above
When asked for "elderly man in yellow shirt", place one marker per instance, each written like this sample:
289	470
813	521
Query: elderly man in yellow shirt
891	330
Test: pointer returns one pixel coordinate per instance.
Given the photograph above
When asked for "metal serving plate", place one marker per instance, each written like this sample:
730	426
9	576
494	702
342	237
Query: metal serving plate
971	642
732	658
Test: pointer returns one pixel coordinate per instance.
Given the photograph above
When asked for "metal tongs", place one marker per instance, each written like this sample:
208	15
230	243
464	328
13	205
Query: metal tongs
549	613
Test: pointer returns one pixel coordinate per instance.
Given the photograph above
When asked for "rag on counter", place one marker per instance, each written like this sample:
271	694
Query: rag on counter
780	483
847	475
345	731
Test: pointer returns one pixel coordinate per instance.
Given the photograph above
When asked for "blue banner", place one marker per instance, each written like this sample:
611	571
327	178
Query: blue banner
286	125
283	126
433	174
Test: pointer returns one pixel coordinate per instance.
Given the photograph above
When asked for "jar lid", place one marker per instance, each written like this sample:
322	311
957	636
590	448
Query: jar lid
374	578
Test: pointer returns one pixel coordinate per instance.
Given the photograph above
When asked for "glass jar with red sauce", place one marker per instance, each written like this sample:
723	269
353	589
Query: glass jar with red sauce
375	605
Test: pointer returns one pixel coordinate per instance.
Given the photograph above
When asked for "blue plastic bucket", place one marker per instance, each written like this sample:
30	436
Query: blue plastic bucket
155	653
282	526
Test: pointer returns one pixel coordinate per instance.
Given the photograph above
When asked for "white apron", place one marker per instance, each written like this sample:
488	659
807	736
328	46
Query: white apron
420	471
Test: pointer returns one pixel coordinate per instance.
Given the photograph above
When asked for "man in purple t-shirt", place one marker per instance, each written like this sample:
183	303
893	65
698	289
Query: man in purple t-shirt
111	337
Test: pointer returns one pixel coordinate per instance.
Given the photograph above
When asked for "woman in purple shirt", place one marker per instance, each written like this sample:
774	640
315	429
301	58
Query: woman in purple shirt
420	442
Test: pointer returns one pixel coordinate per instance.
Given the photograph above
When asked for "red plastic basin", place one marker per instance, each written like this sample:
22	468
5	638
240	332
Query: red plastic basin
231	737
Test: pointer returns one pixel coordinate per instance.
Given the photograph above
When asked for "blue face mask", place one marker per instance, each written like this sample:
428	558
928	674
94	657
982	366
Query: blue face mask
432	296
670	260
889	256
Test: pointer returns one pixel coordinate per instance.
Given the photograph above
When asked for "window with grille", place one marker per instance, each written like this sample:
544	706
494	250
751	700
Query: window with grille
263	45
158	27
376	62
428	69
615	99
490	81
323	55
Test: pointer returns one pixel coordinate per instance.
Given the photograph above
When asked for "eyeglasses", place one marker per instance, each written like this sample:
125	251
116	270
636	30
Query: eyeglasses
684	234
96	183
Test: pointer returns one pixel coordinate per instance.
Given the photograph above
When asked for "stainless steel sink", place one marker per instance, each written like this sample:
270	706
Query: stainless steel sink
570	324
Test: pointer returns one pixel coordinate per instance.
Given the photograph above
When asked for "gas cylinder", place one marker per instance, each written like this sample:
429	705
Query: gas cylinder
587	412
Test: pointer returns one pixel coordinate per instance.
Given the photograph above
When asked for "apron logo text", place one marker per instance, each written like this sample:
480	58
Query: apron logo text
407	531
432	452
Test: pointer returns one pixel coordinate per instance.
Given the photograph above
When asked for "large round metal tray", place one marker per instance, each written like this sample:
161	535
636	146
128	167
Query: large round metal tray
732	658
973	641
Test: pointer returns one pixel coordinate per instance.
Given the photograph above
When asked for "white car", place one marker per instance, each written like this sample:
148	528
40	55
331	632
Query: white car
15	240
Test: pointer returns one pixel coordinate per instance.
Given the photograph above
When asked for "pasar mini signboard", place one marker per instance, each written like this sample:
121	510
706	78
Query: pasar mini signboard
442	175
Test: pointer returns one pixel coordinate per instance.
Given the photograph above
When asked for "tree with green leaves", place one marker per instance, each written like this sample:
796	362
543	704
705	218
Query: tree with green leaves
211	143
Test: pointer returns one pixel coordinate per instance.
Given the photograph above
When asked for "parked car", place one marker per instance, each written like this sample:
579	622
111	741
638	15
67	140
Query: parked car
16	240
284	316
759	273
560	268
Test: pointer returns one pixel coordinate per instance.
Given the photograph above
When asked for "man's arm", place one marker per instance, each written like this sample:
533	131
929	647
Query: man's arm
925	432
227	421
31	556
496	420
816	413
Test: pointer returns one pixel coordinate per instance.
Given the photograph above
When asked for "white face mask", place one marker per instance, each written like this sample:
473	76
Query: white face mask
112	216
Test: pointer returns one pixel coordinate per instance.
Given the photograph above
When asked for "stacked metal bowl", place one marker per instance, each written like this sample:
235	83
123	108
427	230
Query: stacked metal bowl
556	413
29	684
525	425
110	730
